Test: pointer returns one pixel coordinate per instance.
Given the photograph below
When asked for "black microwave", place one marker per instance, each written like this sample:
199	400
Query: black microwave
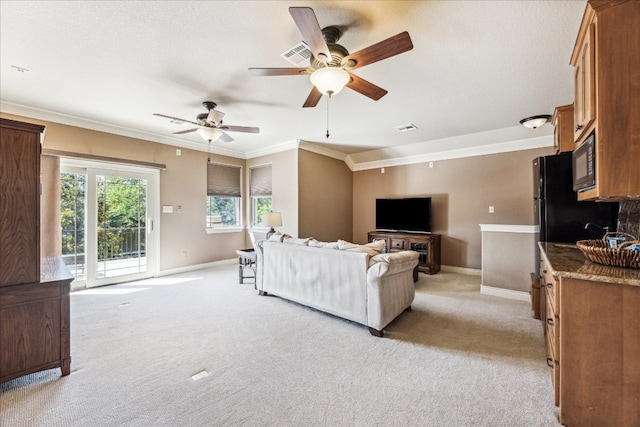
584	164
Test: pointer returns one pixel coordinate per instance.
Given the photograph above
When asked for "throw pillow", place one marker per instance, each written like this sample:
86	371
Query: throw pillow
373	248
276	237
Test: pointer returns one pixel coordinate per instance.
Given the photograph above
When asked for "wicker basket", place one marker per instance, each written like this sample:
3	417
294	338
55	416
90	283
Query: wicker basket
598	252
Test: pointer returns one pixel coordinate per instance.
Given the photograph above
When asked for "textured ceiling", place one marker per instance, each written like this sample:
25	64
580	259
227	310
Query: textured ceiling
476	66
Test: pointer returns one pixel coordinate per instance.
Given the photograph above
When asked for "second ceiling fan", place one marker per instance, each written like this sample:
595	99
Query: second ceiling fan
209	125
331	65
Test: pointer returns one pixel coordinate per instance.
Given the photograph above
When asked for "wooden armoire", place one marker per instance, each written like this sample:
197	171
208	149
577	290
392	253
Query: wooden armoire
34	291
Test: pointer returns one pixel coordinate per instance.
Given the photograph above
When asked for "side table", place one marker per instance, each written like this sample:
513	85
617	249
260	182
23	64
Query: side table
247	259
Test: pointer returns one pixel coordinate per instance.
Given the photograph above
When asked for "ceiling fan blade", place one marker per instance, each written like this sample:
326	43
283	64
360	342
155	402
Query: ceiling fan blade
385	49
225	137
313	98
182	132
176	119
245	129
366	88
279	71
215	116
305	19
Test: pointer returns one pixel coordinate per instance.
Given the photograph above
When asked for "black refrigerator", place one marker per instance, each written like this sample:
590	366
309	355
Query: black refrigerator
561	217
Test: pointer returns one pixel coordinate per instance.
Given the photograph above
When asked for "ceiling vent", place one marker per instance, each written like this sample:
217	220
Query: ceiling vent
406	128
299	55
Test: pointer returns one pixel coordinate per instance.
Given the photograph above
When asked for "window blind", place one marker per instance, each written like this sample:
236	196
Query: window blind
260	181
223	180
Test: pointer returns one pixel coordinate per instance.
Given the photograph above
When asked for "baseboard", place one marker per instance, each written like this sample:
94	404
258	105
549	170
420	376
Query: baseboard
461	270
505	293
195	267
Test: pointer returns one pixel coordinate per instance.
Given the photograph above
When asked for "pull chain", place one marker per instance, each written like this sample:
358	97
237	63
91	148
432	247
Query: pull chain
328	99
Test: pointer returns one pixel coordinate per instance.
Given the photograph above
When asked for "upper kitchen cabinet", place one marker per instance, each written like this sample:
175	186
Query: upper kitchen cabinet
584	78
606	58
563	129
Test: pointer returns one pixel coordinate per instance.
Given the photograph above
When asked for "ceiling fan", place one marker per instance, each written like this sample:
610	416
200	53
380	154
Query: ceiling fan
210	126
331	63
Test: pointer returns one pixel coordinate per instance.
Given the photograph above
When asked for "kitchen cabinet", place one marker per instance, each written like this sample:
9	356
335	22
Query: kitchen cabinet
551	325
592	327
563	129
606	60
584	80
427	246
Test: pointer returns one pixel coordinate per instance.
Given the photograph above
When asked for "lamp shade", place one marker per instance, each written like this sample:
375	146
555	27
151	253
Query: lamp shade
329	80
535	121
209	134
272	219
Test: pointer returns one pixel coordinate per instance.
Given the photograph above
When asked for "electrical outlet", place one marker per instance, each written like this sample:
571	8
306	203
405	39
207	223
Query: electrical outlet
491	209
178	152
184	254
431	165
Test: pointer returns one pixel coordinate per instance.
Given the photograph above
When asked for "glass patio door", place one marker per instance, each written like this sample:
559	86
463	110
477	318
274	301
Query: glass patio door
118	243
121	225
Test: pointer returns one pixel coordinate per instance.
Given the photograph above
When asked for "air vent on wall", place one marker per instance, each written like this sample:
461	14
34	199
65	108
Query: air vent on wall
298	55
406	128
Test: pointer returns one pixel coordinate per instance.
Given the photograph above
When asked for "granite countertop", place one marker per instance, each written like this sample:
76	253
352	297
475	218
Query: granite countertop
567	260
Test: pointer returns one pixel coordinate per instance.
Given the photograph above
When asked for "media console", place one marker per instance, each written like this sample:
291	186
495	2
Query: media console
427	245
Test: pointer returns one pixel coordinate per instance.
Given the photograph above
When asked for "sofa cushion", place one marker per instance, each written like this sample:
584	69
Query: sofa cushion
296	240
318	244
373	248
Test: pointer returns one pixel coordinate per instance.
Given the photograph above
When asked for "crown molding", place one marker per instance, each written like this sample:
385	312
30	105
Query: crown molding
273	149
65	119
425	151
490	142
318	149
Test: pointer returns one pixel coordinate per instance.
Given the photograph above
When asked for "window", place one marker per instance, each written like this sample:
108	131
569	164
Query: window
223	196
260	190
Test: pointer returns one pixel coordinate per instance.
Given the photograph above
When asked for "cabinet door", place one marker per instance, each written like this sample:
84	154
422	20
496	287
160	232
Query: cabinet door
19	206
29	335
584	103
563	129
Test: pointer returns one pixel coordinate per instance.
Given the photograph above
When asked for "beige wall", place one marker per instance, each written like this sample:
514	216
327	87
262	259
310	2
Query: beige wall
313	192
50	231
284	182
508	259
462	191
325	197
183	182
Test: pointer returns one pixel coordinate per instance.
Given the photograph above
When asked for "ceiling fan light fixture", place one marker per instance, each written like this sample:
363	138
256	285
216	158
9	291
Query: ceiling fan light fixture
209	134
330	80
534	122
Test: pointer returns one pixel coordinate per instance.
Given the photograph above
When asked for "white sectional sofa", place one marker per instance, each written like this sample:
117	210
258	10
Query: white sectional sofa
355	282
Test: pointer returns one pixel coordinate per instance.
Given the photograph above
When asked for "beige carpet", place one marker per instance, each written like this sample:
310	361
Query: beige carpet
458	359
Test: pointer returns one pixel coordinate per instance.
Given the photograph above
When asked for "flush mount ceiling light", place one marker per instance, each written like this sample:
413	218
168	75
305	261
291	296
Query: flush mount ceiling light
330	80
535	121
209	133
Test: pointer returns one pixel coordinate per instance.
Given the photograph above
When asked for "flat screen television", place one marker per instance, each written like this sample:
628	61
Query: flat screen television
411	215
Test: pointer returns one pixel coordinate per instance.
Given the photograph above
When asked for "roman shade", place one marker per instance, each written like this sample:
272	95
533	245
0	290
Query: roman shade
260	181
223	180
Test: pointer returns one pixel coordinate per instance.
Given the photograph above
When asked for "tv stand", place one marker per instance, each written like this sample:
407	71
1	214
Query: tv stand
427	245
